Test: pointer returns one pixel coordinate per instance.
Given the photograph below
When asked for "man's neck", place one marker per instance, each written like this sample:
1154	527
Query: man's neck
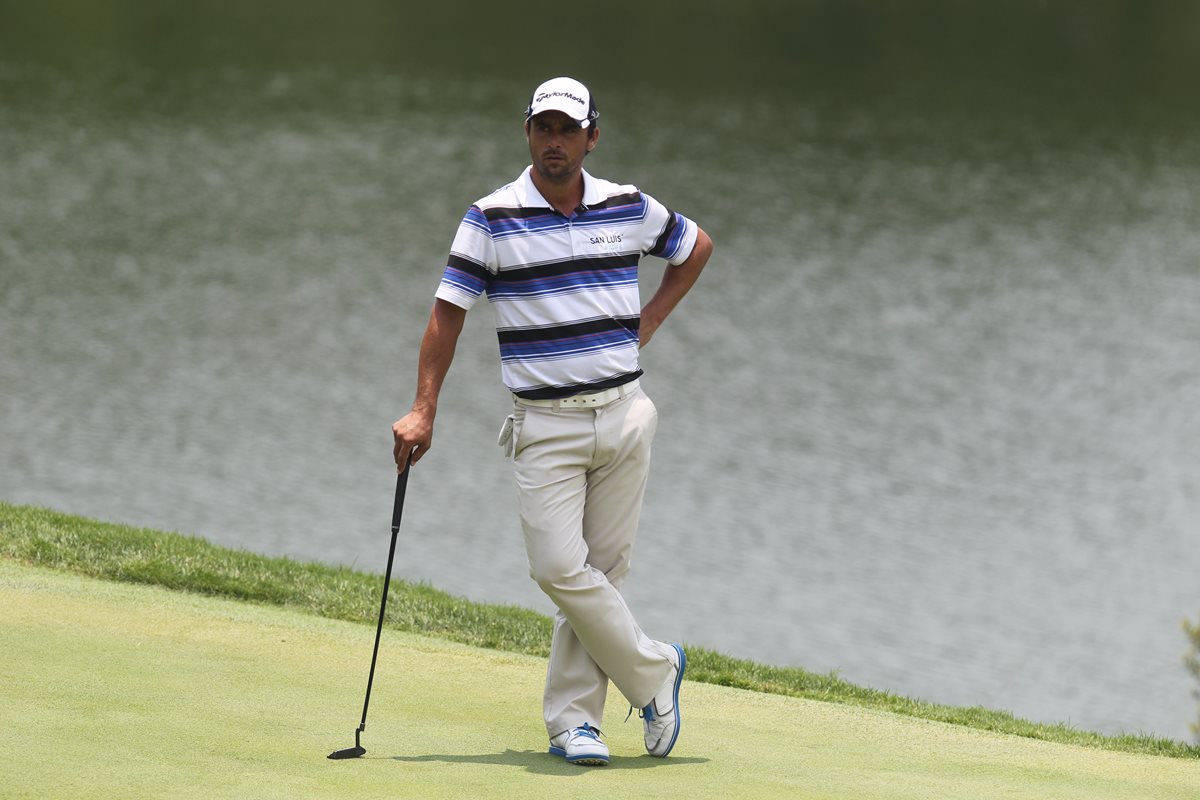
565	196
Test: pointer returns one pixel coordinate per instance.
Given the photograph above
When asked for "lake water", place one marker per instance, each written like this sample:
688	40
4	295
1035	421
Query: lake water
931	418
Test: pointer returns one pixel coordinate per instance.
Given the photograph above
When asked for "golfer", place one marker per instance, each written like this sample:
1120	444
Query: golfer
557	253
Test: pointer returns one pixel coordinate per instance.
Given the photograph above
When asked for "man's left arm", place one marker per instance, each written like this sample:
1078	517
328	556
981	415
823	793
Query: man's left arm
677	280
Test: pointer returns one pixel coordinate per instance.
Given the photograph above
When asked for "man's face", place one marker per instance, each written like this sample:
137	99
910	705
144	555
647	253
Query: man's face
557	145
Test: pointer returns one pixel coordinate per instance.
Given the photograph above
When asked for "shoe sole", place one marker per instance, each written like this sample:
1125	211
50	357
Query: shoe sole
675	702
589	761
582	760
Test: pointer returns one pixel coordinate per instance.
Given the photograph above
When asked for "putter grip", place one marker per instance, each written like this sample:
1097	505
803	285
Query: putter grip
398	508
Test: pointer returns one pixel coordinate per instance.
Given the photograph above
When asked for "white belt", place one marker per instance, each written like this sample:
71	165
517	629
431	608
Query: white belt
585	400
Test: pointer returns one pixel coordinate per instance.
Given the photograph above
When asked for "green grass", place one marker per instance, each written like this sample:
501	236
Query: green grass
115	690
115	552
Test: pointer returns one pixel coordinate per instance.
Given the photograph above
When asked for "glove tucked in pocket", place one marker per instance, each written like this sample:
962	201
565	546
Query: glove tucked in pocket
506	439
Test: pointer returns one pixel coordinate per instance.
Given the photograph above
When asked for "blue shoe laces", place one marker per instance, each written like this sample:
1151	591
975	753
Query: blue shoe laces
646	713
587	730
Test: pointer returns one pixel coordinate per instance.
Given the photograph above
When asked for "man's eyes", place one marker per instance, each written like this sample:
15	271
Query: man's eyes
567	130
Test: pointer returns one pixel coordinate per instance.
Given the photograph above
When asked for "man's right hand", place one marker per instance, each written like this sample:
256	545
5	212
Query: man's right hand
414	431
413	434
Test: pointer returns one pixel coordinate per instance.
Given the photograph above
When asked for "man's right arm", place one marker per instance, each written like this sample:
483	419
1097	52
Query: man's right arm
413	432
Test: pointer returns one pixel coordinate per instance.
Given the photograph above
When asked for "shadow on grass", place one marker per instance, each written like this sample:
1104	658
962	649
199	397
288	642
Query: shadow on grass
543	763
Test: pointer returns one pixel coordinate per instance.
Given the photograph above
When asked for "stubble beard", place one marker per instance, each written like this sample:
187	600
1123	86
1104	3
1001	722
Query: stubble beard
557	171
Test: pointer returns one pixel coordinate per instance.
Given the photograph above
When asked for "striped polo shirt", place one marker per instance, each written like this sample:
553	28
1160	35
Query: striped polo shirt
564	289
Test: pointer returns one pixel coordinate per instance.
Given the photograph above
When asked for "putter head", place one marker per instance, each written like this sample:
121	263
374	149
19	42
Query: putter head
349	752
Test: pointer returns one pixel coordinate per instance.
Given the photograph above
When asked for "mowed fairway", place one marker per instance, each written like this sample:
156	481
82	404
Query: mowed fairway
112	690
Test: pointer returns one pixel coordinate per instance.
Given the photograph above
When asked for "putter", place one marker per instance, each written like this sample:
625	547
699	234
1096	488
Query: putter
358	749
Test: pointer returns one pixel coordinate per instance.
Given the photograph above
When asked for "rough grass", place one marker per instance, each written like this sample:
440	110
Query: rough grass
116	552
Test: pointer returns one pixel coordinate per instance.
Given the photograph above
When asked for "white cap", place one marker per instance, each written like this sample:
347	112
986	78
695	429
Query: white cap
566	95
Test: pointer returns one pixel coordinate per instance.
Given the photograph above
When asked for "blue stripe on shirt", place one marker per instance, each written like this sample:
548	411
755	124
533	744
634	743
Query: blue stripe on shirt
466	275
565	278
476	219
567	348
504	222
565	341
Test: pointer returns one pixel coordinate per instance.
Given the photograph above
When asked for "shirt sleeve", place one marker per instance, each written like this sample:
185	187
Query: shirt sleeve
471	263
669	234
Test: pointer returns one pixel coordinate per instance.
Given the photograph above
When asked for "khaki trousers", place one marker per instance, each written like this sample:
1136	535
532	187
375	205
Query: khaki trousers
581	475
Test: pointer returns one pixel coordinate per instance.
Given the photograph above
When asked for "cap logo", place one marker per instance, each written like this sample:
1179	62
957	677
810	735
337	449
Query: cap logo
547	95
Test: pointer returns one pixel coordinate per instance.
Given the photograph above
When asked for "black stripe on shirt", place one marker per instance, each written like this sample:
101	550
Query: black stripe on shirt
630	199
469	266
500	213
551	333
660	244
566	390
555	269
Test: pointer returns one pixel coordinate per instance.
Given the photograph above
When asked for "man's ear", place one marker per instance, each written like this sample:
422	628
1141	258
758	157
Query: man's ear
593	138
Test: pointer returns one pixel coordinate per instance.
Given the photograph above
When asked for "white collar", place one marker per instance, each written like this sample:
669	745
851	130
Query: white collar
529	196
